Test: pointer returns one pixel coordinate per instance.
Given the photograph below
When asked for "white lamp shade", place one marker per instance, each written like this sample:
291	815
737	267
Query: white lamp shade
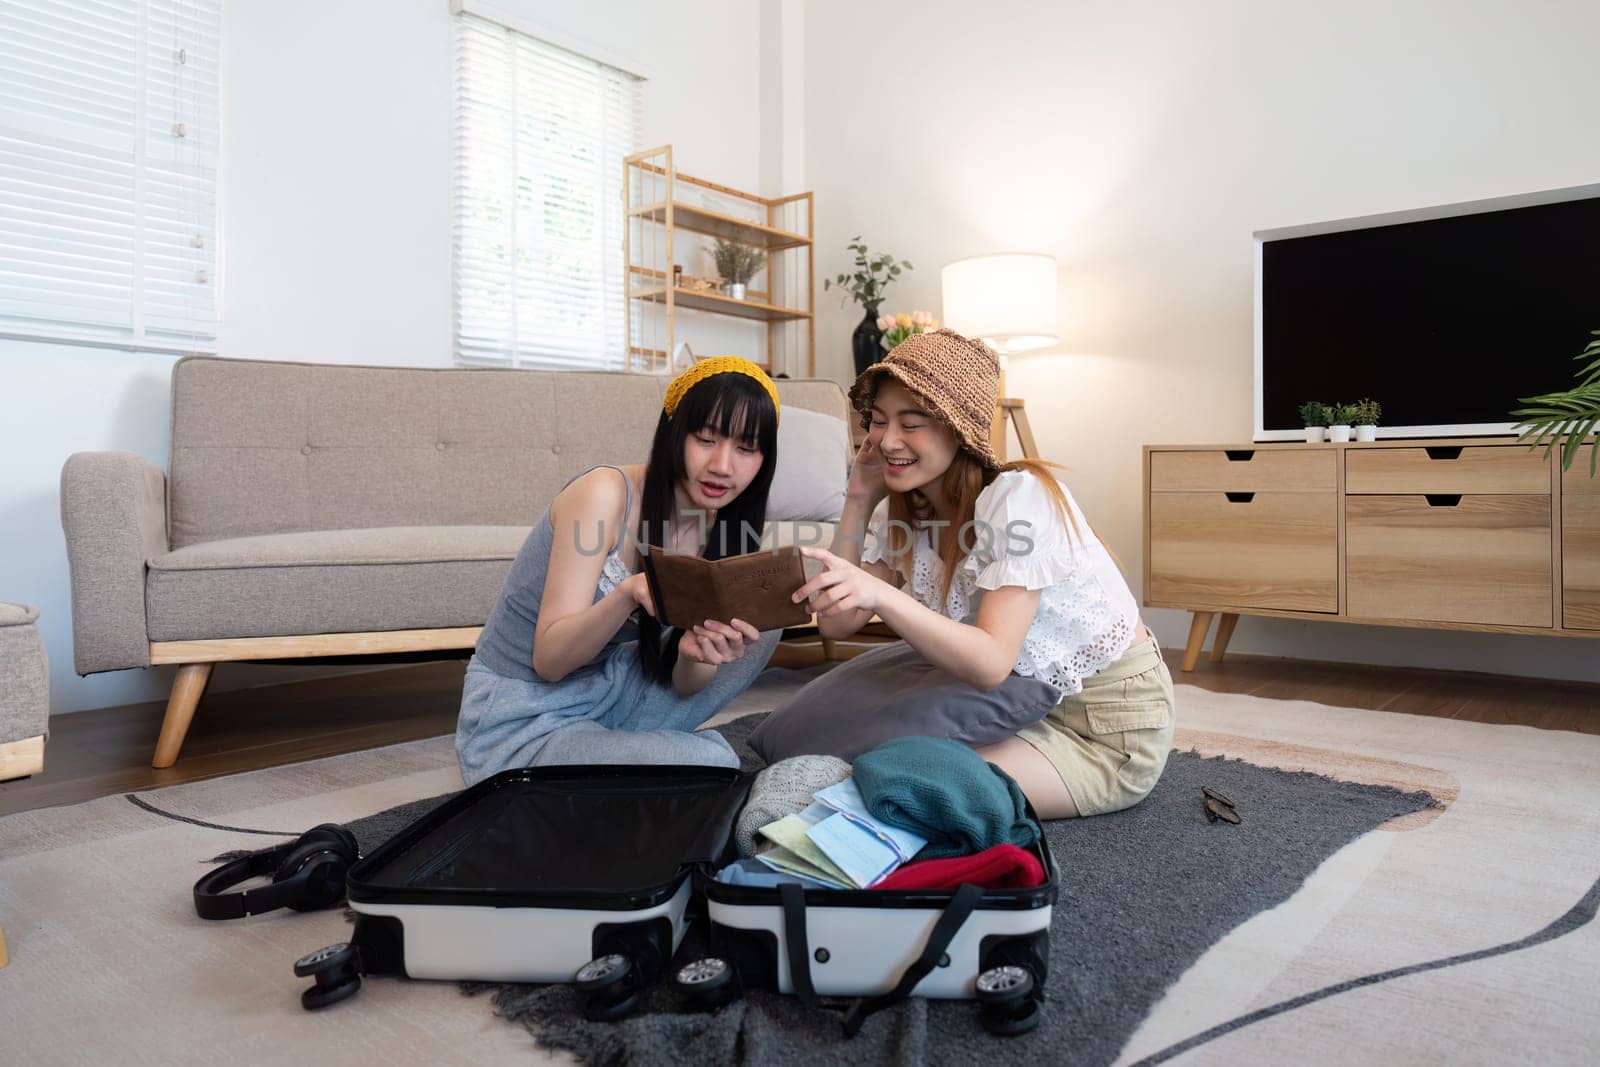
1009	300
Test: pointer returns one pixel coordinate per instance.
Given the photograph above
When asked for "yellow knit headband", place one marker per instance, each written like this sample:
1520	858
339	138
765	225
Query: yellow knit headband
705	368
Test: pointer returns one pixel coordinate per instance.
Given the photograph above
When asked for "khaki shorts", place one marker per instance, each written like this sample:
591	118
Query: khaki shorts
1110	742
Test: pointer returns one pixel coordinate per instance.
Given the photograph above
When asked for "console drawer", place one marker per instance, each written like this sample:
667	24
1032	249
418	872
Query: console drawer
1470	559
1580	545
1244	469
1275	550
1446	469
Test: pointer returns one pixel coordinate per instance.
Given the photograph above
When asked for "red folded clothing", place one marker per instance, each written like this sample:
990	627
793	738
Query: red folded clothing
1000	867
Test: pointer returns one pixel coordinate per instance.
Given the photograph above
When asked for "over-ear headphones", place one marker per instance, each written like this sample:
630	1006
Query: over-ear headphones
307	873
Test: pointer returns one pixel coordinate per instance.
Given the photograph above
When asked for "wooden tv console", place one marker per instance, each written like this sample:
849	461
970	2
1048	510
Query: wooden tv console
1456	533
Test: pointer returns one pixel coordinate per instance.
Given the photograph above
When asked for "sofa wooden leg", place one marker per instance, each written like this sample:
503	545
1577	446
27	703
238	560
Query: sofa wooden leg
1225	625
3	958
19	759
1197	639
187	689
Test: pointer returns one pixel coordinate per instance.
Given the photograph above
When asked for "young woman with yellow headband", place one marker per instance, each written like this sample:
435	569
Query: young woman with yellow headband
572	666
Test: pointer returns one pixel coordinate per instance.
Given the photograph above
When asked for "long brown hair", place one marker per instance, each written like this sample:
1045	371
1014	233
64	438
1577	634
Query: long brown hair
961	484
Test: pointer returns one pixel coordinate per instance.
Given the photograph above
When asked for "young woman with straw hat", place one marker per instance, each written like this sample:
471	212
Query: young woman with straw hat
1022	638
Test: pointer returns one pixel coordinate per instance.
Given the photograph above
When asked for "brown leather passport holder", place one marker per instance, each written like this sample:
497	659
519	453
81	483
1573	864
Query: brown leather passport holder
755	587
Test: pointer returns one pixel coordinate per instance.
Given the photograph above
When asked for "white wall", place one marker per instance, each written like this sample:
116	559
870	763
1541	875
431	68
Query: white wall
1141	144
335	236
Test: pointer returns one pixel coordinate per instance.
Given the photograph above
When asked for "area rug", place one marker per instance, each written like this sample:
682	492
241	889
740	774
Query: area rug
1144	893
109	961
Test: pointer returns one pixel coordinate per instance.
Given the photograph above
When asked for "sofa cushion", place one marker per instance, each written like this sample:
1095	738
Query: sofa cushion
813	466
347	581
387	545
266	447
330	581
892	691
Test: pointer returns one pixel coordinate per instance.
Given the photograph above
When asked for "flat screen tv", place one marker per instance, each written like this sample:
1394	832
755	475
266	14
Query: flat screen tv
1445	316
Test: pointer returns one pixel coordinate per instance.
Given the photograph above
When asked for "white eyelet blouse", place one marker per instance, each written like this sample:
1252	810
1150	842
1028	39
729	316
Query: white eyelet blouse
1087	615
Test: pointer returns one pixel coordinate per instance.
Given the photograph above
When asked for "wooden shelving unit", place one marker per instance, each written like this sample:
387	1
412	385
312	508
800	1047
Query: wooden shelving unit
660	218
715	224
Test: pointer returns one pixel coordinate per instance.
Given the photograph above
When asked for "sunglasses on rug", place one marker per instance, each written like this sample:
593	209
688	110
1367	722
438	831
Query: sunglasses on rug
1219	807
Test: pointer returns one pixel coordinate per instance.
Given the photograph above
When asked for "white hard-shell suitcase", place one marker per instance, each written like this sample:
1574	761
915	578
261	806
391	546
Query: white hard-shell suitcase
881	946
531	875
589	875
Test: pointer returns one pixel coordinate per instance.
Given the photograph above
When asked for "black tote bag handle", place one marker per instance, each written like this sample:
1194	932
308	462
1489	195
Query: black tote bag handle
793	899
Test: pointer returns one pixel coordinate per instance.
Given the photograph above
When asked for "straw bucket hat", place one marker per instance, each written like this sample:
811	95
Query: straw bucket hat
955	379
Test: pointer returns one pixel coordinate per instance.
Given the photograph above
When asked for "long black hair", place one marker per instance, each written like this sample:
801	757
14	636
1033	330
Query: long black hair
732	404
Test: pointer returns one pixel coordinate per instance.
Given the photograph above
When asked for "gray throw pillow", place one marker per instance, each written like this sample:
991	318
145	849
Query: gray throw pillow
893	692
813	467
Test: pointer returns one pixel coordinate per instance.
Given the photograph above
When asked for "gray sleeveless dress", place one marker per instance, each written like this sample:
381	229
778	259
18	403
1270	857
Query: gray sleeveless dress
606	711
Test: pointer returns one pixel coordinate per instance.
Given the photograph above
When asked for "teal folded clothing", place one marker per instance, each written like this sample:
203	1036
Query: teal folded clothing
946	792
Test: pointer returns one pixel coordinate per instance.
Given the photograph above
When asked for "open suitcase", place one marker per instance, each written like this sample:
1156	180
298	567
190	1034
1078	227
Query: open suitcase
590	874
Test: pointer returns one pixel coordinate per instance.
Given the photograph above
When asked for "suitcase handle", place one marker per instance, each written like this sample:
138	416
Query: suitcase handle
939	938
793	899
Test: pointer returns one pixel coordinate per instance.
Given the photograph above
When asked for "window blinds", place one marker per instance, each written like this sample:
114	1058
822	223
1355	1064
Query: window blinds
108	163
540	134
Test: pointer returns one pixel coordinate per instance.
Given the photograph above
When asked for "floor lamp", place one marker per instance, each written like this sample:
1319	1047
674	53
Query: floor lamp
1009	300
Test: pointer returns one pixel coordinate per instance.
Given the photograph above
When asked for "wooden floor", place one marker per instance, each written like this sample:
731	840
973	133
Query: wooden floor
96	753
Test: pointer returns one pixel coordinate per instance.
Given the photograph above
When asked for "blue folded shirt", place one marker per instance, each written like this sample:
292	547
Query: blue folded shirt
753	872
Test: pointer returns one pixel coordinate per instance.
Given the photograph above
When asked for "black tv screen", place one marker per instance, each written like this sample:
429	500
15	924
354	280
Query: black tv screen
1445	322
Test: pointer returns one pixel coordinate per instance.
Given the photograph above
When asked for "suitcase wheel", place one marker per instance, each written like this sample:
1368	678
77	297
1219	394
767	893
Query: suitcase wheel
708	983
1006	1000
603	1010
608	987
602	973
1007	1023
337	971
1004	985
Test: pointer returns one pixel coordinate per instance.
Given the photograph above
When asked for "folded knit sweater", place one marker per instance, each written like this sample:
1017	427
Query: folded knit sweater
1001	867
947	793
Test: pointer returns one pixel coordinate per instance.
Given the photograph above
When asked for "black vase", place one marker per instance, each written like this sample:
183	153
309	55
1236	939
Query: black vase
866	343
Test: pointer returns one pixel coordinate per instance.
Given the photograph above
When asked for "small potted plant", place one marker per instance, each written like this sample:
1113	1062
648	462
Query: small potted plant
737	264
1339	428
1365	413
865	284
1316	415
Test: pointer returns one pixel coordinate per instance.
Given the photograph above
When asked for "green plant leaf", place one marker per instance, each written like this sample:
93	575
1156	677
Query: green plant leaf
1577	434
1563	420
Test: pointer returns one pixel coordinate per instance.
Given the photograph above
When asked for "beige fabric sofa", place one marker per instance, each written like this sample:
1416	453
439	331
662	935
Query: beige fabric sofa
316	510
